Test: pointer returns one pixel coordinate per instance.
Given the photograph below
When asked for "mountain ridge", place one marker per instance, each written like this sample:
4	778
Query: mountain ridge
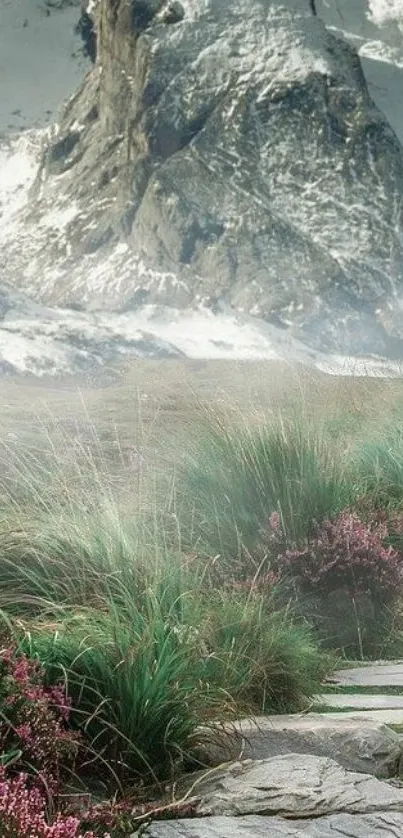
242	162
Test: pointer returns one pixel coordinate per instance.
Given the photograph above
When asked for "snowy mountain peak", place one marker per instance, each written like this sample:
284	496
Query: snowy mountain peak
223	156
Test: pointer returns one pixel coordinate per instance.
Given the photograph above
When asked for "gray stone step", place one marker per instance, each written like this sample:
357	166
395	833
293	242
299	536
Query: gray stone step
378	675
362	702
393	716
292	796
355	740
384	825
294	786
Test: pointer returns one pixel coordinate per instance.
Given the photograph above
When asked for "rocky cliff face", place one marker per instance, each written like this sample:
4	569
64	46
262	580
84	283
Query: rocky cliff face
221	151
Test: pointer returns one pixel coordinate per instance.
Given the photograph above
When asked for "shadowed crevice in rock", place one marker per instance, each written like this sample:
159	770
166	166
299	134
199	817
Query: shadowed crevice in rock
169	139
61	149
197	236
142	13
86	30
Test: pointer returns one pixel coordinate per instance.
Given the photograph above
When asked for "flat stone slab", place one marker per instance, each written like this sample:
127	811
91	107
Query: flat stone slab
394	716
362	702
379	675
294	786
302	721
387	825
356	741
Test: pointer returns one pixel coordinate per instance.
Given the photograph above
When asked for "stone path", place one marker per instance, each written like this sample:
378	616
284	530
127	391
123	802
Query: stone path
388	825
310	775
379	675
289	796
381	707
387	717
363	701
357	741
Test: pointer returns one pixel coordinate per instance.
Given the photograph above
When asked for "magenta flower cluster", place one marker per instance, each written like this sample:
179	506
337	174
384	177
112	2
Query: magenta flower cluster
34	719
36	744
23	812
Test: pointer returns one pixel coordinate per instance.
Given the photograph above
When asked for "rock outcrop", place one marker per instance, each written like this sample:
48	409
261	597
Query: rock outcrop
222	151
301	796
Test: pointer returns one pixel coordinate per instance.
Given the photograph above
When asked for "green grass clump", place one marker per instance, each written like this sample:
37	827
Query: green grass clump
378	467
354	689
133	684
149	649
269	662
236	476
398	728
145	674
74	557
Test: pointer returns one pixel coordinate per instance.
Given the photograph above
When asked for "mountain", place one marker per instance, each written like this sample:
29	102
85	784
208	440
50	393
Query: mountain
225	154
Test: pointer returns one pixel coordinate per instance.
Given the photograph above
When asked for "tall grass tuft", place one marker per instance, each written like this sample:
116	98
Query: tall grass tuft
235	477
143	678
76	557
133	685
269	662
378	467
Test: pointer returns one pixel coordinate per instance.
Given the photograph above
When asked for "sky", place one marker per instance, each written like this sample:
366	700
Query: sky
383	11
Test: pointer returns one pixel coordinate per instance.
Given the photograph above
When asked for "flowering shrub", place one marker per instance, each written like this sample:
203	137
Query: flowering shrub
34	719
23	812
34	734
347	554
345	581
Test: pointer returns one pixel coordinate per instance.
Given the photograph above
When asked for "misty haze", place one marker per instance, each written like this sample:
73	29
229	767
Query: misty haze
201	418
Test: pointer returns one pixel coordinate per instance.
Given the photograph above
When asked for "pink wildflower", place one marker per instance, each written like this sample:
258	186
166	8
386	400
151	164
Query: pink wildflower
23	813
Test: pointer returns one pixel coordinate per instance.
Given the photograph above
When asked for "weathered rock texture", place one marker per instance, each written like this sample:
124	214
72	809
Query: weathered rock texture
295	786
222	151
304	797
335	826
363	746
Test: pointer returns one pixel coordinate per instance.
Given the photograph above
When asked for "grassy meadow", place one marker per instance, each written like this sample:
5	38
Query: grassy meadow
188	544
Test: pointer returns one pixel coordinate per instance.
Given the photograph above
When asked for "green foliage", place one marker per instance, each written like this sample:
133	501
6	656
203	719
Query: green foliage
133	687
268	661
378	467
236	477
75	557
150	641
145	675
